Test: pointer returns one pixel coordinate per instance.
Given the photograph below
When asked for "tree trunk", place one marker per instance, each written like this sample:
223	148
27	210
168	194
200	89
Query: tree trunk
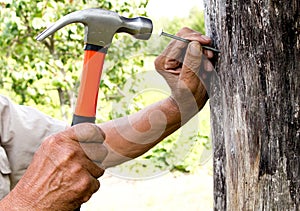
255	104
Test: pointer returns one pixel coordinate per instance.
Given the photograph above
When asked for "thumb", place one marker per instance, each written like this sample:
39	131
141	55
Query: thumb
192	59
87	132
91	138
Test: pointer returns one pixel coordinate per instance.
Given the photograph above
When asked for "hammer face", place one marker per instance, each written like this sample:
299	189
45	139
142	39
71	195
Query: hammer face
140	27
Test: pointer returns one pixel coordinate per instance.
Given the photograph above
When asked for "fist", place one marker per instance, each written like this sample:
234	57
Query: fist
64	170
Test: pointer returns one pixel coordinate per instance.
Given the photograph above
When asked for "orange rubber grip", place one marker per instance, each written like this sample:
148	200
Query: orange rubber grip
89	86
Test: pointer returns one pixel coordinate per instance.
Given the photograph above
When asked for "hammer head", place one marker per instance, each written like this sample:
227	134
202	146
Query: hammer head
101	25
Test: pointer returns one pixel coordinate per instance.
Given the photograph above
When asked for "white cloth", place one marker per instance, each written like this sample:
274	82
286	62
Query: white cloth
22	129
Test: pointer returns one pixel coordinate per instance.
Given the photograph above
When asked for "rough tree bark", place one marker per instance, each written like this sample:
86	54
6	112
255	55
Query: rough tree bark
255	104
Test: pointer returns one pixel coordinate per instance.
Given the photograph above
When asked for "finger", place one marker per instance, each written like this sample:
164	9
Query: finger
175	50
208	53
96	152
94	168
196	36
94	186
208	66
172	56
192	60
193	35
90	138
170	64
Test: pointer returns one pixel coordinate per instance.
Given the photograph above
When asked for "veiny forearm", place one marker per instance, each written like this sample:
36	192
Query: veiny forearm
131	136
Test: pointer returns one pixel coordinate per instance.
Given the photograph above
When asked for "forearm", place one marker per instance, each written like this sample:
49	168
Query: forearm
129	137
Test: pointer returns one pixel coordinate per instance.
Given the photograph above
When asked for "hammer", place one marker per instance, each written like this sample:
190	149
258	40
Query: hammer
100	27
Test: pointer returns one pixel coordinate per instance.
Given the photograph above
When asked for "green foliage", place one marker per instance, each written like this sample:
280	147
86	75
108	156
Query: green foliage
48	73
196	20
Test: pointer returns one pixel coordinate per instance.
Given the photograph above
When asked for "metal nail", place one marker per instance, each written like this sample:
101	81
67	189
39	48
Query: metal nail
162	33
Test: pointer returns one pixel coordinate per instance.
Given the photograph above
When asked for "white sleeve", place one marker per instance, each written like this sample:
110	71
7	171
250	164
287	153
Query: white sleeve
4	174
22	129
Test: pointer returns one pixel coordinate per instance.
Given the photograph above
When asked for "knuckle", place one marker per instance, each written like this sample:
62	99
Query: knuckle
75	169
183	30
95	186
67	155
86	198
88	194
100	172
96	171
85	183
50	146
49	142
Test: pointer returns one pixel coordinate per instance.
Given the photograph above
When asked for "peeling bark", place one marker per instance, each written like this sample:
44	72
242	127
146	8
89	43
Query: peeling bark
255	104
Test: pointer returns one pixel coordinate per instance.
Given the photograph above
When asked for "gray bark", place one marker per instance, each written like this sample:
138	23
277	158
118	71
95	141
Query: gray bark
255	102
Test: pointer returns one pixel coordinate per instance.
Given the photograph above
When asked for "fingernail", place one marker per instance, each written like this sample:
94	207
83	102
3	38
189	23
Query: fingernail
206	38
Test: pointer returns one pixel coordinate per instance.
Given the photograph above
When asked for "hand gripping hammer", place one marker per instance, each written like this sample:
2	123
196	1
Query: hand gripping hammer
100	27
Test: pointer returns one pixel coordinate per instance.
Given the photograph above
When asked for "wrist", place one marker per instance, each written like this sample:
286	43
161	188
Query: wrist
15	201
172	110
187	107
10	202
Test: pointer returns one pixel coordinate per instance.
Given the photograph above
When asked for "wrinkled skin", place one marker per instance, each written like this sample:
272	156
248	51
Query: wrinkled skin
60	176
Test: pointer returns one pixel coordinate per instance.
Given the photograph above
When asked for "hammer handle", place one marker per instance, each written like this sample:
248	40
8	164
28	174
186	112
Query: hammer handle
86	105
